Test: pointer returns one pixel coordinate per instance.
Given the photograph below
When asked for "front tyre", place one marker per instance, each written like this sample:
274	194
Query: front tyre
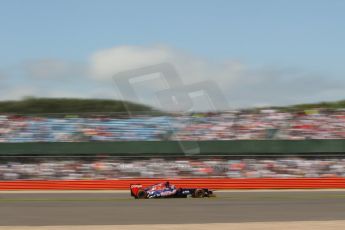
198	193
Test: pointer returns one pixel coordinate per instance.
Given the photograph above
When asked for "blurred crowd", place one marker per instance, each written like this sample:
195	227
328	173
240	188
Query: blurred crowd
111	168
235	125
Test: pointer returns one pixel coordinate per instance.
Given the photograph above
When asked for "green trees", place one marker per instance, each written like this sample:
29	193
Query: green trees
68	105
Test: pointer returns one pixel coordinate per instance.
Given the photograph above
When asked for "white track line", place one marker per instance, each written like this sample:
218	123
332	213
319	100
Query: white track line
295	225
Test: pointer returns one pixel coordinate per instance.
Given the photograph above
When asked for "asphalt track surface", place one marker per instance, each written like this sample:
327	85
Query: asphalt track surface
49	209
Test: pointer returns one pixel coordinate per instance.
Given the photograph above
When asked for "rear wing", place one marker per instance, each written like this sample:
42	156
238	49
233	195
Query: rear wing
134	188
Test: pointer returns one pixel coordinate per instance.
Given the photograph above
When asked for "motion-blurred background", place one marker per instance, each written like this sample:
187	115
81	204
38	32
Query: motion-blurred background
279	129
249	89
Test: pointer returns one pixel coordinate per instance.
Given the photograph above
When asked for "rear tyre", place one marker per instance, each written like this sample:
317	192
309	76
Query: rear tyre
199	193
141	194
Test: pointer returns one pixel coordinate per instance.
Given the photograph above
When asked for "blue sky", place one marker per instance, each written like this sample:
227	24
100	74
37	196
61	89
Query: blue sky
303	35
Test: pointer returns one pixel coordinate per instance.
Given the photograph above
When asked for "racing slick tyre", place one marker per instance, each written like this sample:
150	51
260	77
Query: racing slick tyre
199	193
141	194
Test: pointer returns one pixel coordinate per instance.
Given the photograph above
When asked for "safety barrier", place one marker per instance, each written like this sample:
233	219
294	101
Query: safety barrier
122	184
175	148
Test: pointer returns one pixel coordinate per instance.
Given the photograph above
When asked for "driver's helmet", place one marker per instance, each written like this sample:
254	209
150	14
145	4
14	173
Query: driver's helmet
167	184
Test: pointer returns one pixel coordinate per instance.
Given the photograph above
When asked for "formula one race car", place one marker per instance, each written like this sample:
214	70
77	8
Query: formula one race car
166	190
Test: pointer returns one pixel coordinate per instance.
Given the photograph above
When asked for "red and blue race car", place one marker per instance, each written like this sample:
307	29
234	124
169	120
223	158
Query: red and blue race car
166	190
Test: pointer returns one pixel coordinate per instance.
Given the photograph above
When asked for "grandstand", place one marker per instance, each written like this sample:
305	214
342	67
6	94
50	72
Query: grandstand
97	139
72	120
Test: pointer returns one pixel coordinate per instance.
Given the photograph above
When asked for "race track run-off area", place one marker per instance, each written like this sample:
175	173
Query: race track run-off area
118	208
